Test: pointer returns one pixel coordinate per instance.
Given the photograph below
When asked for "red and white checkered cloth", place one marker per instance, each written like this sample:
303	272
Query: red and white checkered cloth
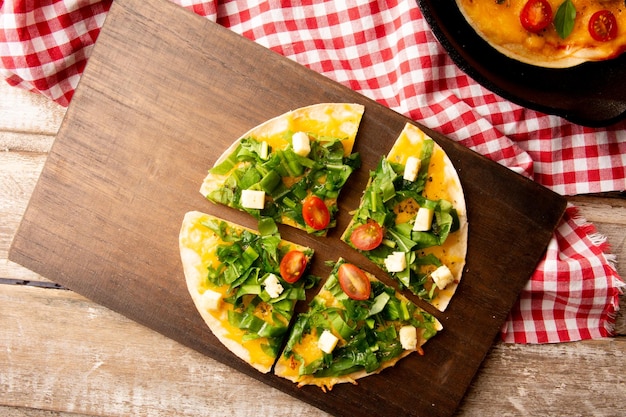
385	50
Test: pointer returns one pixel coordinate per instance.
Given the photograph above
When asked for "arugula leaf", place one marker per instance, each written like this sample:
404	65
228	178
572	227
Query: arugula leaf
324	172
379	303
228	164
564	19
384	180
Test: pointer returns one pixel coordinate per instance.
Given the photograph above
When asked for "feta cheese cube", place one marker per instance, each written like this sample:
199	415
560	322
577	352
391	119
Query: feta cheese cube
442	276
411	168
211	300
253	199
327	341
301	143
272	286
395	262
408	337
423	219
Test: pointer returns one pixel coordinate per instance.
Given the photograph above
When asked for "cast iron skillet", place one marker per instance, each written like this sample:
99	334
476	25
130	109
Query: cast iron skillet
591	94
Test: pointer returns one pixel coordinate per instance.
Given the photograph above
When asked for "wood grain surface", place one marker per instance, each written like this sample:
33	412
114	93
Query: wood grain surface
164	93
586	378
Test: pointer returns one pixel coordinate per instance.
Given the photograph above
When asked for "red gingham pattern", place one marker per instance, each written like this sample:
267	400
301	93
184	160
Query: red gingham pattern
44	45
562	301
386	51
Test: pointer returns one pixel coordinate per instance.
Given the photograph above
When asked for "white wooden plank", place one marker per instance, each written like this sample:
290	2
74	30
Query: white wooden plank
62	352
567	379
26	112
25	142
65	353
19	173
31	412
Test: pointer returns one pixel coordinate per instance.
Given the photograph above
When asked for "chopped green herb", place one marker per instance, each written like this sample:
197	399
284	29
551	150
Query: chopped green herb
324	172
368	329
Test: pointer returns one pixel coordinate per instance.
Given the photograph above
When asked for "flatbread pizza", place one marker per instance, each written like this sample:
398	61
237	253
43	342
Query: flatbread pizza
290	168
412	220
244	284
550	33
354	327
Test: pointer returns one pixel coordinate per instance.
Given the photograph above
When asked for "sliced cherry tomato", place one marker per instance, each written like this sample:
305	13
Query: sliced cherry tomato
315	212
603	26
354	282
536	15
367	236
292	266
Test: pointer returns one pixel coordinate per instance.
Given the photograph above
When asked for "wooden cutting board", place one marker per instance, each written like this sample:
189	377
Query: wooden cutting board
164	93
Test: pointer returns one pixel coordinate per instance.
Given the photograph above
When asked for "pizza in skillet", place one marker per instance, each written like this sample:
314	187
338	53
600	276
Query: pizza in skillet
354	327
244	284
290	168
550	33
412	220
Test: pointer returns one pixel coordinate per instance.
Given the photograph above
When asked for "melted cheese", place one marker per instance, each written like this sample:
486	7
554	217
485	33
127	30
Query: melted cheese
337	120
308	349
409	143
499	24
405	210
438	183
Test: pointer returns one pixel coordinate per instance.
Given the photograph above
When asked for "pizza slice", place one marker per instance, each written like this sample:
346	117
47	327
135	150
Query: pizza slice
244	284
412	221
355	326
290	168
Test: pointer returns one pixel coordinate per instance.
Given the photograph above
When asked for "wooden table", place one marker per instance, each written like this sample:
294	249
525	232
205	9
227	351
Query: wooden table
61	352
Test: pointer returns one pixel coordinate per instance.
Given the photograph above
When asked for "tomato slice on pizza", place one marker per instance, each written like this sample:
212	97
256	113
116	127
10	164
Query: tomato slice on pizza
290	168
354	327
244	284
411	221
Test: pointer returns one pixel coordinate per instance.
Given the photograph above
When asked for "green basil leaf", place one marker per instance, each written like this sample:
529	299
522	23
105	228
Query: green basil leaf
564	19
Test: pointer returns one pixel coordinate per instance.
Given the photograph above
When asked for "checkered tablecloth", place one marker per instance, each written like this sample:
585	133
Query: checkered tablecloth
386	51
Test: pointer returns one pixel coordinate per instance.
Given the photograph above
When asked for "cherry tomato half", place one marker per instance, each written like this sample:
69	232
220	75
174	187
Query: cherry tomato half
367	236
354	282
603	26
315	212
292	266
536	15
